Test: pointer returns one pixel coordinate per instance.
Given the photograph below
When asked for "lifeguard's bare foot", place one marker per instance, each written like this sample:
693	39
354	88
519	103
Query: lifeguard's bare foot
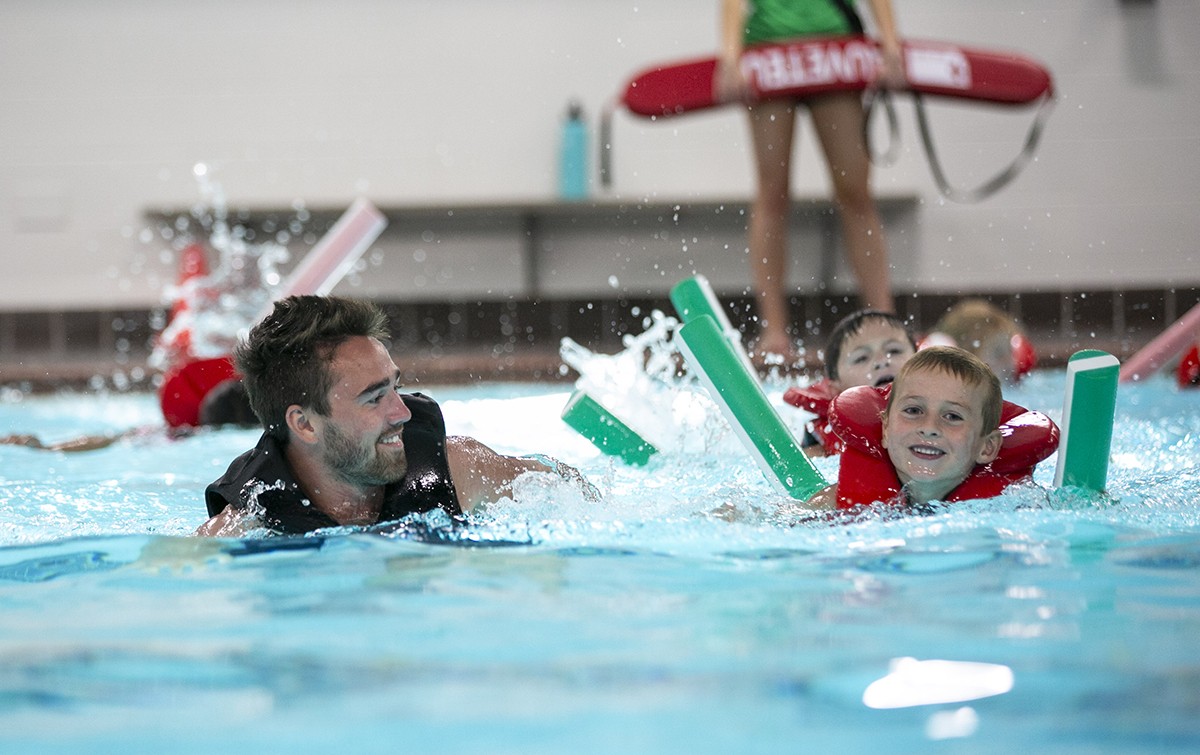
780	355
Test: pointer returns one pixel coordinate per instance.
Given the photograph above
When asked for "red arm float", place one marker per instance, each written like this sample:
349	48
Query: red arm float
817	65
1188	375
866	474
816	399
1024	356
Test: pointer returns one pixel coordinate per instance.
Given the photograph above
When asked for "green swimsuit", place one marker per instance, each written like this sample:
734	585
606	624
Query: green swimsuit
771	20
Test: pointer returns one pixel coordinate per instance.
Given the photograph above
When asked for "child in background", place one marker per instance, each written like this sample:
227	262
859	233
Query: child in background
1188	372
989	333
945	434
866	347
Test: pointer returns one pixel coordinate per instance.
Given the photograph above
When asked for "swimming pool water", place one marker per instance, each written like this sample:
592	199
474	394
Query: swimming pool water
1047	621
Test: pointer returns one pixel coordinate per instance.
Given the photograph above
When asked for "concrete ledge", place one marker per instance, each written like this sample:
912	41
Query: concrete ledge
517	340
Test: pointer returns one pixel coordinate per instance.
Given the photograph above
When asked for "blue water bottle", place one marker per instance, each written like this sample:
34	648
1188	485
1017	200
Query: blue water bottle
573	164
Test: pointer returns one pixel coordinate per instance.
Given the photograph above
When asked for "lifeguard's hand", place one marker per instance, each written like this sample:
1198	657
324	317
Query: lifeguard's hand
729	85
891	75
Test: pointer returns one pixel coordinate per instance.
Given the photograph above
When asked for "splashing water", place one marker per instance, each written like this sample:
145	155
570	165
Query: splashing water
211	309
648	387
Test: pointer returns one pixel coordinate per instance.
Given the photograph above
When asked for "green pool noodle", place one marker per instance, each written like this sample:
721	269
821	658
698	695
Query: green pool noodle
736	390
592	420
693	297
1089	407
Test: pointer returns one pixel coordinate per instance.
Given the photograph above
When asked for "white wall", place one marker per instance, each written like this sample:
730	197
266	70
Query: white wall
106	106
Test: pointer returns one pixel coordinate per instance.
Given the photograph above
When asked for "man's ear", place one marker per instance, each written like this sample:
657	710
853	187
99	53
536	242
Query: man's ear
990	448
300	424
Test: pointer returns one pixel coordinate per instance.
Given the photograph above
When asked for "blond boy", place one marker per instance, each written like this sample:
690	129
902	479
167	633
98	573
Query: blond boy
941	420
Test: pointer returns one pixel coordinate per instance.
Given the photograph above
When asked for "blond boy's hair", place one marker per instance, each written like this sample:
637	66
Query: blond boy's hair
973	323
963	365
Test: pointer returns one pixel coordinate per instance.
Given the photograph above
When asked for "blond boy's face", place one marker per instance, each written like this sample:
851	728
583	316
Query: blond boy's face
933	432
873	355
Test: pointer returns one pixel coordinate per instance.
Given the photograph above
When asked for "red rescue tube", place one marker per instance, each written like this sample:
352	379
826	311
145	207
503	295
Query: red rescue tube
817	65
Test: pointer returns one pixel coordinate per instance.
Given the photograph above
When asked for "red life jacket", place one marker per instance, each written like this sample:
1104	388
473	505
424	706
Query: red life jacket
867	476
185	386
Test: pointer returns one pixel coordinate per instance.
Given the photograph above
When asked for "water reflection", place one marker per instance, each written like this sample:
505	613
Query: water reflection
911	682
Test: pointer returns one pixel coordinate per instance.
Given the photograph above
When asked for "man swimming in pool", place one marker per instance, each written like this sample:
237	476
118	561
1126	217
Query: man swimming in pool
342	445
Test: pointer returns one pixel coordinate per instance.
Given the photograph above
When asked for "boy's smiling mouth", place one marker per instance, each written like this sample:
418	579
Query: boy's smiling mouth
928	453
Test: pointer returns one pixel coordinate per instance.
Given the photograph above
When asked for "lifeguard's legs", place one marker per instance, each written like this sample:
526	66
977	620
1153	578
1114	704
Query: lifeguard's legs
837	119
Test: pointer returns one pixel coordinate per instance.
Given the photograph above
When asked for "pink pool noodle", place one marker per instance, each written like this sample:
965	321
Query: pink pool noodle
334	255
1158	352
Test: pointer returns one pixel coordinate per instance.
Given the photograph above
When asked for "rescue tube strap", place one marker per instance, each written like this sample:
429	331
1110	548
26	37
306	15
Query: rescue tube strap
996	182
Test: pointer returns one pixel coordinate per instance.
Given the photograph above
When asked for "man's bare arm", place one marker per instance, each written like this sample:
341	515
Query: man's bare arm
482	475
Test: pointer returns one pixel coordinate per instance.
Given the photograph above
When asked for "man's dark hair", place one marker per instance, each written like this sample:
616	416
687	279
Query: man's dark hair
849	326
285	359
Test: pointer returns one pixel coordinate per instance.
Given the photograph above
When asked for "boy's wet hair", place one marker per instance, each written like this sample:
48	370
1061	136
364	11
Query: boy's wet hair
227	404
963	365
849	326
285	359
